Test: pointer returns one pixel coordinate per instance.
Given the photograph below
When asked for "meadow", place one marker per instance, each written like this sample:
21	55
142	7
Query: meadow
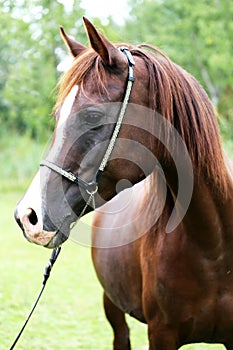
70	314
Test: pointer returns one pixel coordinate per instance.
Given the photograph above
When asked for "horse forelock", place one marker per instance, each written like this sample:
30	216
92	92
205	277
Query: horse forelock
174	93
86	66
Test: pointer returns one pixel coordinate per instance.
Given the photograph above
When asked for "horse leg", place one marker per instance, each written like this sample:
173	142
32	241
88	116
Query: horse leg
116	318
161	337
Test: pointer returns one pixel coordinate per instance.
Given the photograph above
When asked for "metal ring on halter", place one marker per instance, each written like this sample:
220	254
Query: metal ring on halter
91	193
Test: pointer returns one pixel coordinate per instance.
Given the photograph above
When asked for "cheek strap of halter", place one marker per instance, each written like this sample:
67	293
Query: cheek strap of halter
124	105
92	187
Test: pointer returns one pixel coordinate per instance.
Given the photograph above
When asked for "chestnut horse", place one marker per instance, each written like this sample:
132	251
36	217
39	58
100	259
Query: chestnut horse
165	257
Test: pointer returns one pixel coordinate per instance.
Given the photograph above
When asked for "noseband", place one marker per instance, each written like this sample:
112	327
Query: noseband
92	187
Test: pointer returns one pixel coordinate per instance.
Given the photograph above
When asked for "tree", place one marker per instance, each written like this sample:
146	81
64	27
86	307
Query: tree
197	35
30	52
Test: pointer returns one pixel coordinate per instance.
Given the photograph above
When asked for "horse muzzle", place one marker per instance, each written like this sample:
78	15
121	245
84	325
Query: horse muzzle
35	233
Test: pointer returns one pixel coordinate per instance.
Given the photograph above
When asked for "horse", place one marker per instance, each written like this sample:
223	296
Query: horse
133	127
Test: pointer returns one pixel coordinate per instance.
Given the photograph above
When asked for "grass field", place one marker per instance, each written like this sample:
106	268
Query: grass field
70	313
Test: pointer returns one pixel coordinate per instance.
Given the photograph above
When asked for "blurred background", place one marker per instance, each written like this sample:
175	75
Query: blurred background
196	35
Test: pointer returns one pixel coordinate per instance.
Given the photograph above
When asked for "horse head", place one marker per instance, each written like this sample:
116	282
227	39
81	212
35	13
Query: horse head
86	161
122	112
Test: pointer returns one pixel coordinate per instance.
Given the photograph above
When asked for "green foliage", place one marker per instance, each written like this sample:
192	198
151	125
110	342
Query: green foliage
226	115
198	36
30	52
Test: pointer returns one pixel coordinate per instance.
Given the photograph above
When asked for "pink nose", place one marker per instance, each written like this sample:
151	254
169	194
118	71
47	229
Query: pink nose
30	223
32	227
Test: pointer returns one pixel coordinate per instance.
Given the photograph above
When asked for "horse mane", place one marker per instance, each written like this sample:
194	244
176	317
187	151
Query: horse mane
173	93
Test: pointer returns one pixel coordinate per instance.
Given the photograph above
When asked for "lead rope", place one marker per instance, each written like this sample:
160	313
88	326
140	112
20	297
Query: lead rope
91	200
47	271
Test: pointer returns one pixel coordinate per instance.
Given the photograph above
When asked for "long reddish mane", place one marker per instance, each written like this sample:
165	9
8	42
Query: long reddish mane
173	93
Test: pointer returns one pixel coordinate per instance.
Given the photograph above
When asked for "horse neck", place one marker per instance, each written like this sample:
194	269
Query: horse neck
209	218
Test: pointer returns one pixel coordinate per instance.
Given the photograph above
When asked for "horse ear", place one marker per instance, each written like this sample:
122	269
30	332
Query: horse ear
107	51
74	47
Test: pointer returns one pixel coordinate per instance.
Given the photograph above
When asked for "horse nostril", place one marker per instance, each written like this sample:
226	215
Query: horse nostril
32	217
17	219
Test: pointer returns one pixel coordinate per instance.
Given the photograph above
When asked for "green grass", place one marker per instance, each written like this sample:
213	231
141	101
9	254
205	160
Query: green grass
19	159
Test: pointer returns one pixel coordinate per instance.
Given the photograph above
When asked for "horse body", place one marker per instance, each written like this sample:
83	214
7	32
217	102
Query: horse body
110	263
179	283
165	259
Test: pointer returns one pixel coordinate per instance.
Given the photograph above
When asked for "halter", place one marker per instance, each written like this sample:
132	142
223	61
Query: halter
91	187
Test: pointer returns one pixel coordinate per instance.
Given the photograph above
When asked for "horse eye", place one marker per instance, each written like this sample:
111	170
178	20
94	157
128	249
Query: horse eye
93	117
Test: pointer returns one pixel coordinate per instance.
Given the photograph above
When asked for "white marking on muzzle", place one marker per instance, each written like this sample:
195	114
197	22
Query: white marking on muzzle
32	202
